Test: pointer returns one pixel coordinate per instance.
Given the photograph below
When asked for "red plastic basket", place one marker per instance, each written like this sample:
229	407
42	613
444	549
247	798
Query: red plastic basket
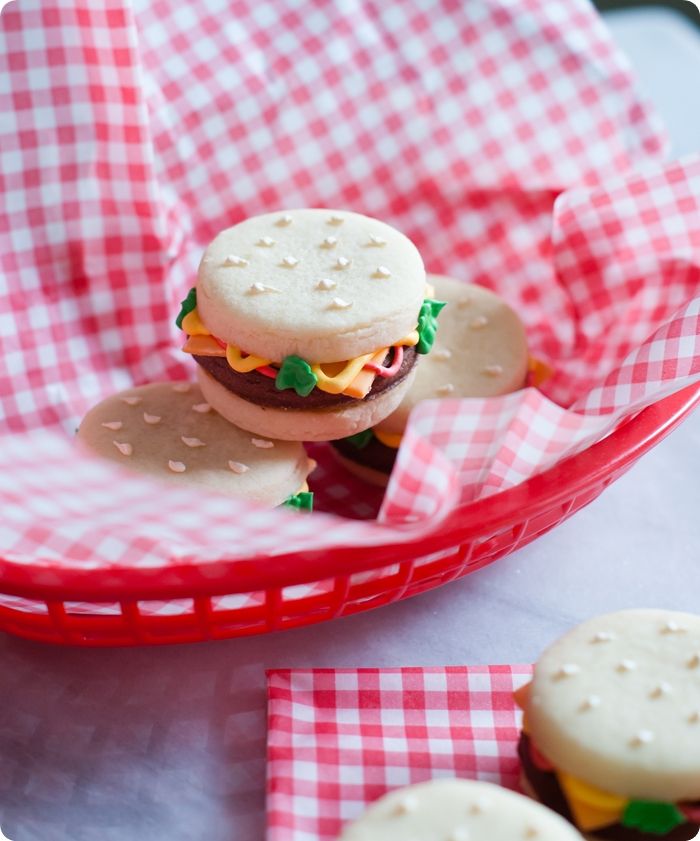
287	591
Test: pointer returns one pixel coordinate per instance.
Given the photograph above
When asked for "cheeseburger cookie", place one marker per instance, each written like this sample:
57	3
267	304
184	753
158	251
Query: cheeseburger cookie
458	810
306	325
170	431
481	351
611	733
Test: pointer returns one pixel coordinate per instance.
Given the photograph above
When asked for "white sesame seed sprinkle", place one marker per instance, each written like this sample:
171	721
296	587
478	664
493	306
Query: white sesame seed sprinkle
342	263
479	806
335	220
567	670
626	666
262	443
326	284
641	737
381	271
602	636
258	288
329	242
177	466
283	221
113	425
192	442
479	322
406	805
289	262
235	260
124	447
444	390
339	304
238	467
672	627
201	408
131	401
589	703
265	242
493	370
151	419
377	242
661	689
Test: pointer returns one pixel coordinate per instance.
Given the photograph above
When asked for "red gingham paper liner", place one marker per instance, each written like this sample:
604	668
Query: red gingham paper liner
501	140
339	739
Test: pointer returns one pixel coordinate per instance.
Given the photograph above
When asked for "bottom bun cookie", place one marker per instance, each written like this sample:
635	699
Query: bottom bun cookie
293	425
170	431
458	810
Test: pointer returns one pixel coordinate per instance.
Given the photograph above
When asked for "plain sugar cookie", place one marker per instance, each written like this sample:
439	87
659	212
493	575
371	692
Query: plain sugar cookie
169	430
458	810
612	726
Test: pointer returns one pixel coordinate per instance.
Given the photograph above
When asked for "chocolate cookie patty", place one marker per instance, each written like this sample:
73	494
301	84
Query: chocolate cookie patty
257	388
374	454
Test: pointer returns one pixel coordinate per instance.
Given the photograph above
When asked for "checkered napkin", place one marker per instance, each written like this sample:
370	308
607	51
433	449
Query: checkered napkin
339	739
500	136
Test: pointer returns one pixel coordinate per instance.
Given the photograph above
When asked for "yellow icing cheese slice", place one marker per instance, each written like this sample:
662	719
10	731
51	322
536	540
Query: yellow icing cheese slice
203	346
362	383
540	372
591	807
336	379
389	439
243	366
193	326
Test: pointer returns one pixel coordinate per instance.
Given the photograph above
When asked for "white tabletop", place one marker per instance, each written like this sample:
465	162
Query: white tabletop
168	744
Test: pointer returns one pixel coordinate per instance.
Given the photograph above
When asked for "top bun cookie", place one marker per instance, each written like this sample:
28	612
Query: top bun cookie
458	810
480	351
324	285
616	703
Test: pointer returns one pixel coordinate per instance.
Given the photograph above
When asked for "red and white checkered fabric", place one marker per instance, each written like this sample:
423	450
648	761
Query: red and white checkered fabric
339	739
496	134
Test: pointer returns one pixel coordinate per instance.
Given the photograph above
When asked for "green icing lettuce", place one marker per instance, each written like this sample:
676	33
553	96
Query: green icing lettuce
296	373
360	439
427	324
303	501
186	306
652	817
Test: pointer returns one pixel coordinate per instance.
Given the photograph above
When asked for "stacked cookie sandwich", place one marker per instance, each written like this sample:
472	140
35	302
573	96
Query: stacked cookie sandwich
307	325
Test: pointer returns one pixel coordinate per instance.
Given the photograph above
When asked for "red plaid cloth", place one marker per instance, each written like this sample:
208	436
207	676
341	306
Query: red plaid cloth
134	132
339	739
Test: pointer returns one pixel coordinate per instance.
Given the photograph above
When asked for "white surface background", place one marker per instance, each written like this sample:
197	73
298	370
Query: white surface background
168	744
